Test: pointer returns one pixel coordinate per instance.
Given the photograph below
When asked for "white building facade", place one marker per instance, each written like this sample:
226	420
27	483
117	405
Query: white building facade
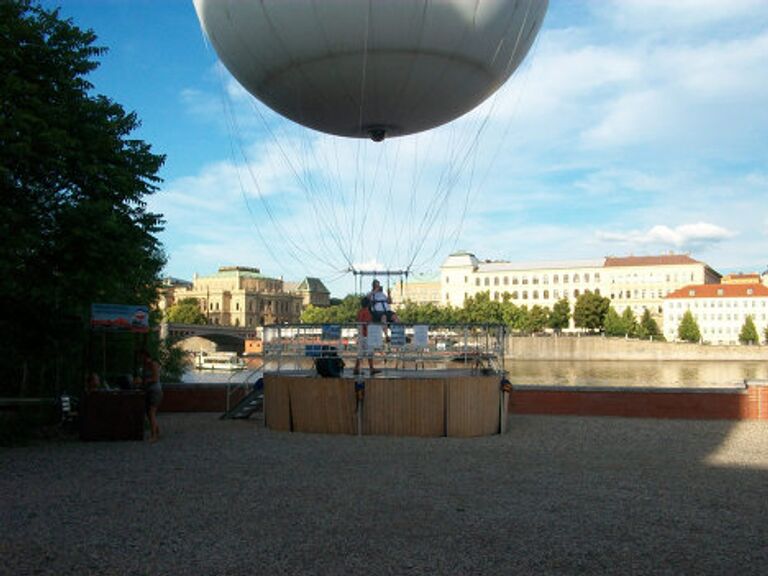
637	282
719	310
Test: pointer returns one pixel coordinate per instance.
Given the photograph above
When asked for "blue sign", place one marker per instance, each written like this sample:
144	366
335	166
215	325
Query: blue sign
398	335
331	331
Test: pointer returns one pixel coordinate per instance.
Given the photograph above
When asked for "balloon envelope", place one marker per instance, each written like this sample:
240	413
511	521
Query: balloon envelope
364	68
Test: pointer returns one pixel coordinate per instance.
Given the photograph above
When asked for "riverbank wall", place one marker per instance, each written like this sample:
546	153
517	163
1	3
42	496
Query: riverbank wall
603	348
749	403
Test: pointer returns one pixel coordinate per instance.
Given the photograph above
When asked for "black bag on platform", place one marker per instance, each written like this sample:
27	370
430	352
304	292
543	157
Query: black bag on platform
329	366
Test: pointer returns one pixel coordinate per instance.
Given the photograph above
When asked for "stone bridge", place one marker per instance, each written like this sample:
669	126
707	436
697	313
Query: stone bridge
222	335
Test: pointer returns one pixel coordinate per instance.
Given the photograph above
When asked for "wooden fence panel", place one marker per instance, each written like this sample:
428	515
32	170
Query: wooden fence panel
323	405
404	407
277	404
472	406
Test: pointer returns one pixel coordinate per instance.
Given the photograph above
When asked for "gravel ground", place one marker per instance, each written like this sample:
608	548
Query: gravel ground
556	495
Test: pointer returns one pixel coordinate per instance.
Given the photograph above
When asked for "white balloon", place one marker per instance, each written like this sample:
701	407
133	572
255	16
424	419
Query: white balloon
370	68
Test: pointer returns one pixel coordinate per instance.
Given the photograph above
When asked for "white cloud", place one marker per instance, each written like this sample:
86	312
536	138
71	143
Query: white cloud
683	236
631	118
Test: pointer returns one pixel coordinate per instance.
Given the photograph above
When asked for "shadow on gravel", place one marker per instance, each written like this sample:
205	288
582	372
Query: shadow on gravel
556	495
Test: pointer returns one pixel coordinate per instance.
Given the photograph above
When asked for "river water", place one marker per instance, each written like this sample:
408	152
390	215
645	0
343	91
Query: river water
666	374
662	374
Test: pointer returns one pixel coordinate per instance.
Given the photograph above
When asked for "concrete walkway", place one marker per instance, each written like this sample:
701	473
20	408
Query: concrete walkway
556	495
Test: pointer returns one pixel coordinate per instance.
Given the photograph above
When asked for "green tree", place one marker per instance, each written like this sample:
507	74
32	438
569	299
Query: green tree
748	333
344	312
590	310
614	325
560	316
516	317
427	313
173	361
538	317
73	218
186	311
480	309
629	322
649	329
688	330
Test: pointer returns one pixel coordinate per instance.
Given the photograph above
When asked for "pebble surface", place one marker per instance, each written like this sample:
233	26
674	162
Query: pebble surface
555	495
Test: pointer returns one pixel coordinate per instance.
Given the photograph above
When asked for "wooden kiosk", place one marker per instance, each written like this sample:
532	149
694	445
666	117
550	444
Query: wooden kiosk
116	412
457	399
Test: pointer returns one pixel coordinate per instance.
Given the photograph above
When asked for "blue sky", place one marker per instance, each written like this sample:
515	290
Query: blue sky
633	127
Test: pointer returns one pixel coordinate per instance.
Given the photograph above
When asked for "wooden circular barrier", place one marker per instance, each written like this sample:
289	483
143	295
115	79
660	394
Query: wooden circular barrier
462	406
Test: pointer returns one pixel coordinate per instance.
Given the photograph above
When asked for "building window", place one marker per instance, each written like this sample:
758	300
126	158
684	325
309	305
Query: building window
575	278
525	295
487	281
565	278
477	281
555	279
447	280
597	277
496	281
506	280
514	295
575	293
546	294
535	294
586	277
545	279
525	280
535	280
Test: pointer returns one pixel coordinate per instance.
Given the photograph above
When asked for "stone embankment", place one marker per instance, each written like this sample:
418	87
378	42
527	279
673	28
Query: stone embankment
602	348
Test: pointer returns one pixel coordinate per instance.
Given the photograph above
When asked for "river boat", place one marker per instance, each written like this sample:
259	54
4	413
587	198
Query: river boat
227	361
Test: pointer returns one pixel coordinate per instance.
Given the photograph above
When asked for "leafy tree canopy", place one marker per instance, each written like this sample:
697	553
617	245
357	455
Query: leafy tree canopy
629	322
342	313
186	311
614	326
590	310
689	328
561	315
73	219
748	333
649	328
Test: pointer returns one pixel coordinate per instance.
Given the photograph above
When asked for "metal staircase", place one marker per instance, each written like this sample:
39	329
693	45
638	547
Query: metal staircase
253	401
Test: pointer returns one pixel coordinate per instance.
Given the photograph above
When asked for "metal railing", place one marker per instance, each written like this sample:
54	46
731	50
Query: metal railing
241	386
394	347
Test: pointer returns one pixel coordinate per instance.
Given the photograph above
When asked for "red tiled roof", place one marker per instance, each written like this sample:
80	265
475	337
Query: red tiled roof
751	276
721	291
663	260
